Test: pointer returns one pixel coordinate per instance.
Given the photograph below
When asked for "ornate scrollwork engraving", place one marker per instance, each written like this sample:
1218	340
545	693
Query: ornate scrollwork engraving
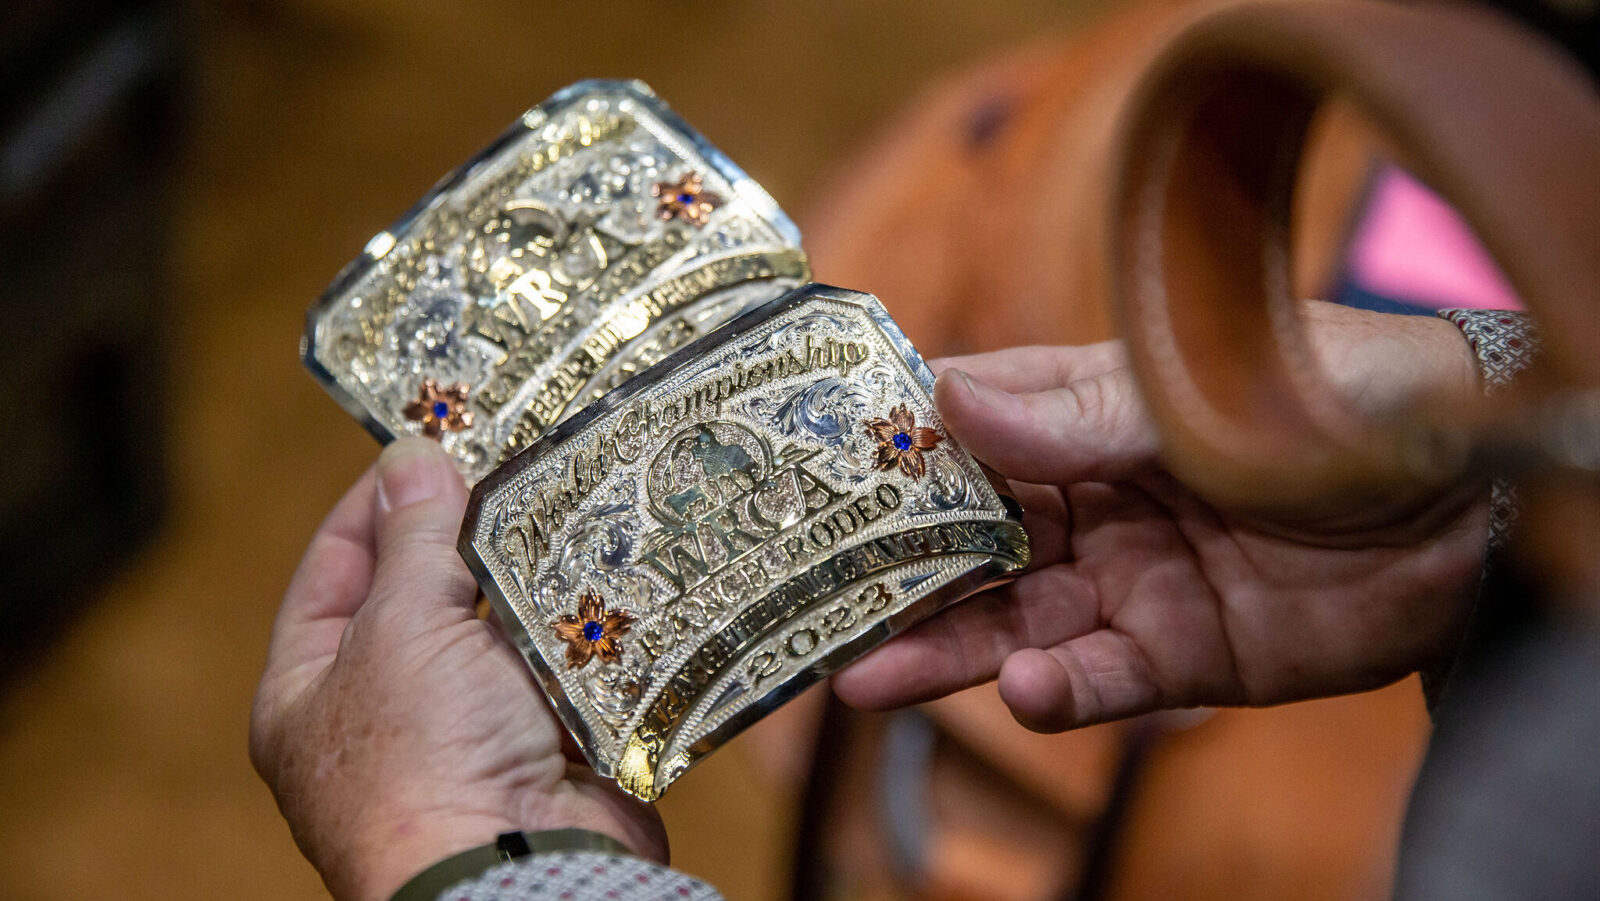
598	544
947	487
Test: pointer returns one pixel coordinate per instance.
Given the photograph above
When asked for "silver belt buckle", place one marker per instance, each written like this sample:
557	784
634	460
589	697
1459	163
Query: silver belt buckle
742	519
595	236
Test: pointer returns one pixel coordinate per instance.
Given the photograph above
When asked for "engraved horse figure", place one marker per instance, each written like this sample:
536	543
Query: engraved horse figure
725	465
728	469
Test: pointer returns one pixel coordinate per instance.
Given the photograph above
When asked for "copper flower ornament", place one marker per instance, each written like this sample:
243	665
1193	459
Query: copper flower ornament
439	408
593	632
685	199
901	442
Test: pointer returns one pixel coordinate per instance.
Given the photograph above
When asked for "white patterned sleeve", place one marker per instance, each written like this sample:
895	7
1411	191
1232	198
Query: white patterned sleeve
580	876
1505	344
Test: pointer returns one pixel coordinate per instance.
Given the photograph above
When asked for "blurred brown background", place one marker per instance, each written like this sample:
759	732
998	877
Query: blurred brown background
307	126
179	180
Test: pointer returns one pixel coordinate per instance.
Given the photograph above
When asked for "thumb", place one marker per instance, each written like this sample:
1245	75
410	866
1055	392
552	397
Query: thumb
417	515
1089	430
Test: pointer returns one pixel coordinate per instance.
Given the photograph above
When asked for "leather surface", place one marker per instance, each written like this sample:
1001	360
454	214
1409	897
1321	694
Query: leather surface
1492	118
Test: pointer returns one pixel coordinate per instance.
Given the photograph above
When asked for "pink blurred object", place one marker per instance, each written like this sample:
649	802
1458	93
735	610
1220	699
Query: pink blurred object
1413	247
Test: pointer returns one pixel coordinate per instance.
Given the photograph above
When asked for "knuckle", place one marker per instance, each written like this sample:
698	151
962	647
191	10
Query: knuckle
1095	398
263	742
422	539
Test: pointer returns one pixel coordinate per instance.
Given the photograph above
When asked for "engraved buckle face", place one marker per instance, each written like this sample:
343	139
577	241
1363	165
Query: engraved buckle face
595	236
732	525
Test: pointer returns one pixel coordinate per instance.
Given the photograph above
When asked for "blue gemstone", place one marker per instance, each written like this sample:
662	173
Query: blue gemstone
441	410
593	631
902	441
686	199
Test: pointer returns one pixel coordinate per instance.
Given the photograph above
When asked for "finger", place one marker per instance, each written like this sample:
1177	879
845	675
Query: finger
966	644
1091	679
1036	368
418	506
1092	429
330	584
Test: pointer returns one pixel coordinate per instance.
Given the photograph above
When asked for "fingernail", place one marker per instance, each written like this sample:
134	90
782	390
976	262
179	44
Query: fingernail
980	392
959	380
950	383
410	471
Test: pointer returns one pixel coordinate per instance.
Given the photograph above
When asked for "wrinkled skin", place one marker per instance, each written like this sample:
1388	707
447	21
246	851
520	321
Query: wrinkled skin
392	725
1142	596
395	728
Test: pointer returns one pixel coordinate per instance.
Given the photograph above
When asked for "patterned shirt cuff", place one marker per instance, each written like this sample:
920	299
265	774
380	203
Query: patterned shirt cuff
581	876
1505	344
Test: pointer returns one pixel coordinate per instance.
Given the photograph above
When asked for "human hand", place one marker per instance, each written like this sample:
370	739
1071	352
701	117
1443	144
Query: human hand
1142	596
393	726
